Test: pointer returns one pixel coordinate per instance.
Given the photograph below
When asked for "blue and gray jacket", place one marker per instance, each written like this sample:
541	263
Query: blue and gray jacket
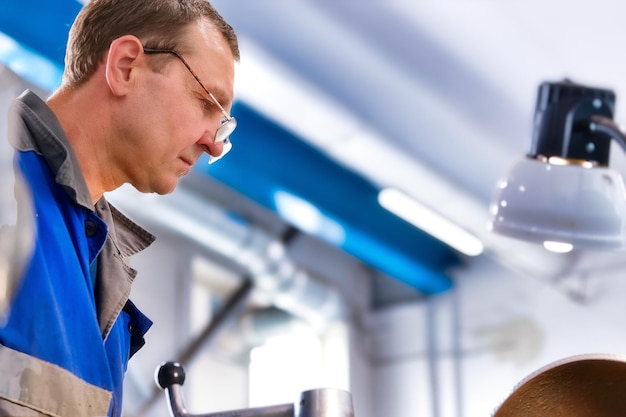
68	337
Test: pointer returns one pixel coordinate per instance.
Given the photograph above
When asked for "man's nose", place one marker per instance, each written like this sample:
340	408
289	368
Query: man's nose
207	141
215	148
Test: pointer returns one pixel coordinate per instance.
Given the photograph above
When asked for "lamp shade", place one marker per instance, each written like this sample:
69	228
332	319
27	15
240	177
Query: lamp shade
557	200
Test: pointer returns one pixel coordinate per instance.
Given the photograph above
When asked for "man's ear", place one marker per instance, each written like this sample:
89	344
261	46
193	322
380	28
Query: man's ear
121	61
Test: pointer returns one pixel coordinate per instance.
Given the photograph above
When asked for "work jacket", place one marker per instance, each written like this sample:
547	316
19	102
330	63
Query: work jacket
67	337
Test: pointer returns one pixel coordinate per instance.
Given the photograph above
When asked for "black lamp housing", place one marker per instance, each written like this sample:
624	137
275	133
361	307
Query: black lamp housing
563	115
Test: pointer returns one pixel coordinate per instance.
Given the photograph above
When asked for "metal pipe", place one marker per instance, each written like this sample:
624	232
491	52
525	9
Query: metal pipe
233	306
457	348
325	402
433	355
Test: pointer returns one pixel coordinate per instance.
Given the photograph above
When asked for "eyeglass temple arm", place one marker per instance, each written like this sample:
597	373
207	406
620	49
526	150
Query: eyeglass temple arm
217	103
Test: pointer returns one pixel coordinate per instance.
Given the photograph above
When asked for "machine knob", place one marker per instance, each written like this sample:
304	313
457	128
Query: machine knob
170	373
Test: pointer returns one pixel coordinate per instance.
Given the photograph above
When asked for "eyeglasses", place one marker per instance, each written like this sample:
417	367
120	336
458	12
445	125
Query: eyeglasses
229	123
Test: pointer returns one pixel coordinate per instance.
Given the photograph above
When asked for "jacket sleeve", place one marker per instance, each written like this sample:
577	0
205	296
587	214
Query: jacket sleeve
32	387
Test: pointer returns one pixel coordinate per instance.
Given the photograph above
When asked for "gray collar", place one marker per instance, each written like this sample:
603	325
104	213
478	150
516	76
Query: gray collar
45	136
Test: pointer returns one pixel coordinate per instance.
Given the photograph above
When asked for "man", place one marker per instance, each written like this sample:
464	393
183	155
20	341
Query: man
146	91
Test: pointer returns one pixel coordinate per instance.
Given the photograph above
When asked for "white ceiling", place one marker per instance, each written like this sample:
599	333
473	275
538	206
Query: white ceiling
437	96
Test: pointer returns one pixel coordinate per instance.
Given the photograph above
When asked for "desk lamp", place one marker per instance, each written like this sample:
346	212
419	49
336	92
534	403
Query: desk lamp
562	191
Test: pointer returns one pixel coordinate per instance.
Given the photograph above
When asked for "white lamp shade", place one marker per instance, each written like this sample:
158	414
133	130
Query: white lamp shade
545	202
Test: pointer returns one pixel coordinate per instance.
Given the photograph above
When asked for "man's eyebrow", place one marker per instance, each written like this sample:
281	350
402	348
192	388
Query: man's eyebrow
225	102
221	96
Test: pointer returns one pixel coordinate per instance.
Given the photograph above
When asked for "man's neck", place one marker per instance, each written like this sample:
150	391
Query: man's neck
84	126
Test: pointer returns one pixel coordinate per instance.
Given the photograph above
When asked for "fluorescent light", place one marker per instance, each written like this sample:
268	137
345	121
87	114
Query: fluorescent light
306	216
432	223
29	65
558	247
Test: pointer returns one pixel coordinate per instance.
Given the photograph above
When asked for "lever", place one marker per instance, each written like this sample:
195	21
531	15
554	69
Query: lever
322	402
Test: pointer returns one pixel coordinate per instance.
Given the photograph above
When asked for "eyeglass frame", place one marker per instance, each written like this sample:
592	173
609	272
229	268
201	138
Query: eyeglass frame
228	124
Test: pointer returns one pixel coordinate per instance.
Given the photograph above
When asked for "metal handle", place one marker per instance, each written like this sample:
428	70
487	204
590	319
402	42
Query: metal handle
324	402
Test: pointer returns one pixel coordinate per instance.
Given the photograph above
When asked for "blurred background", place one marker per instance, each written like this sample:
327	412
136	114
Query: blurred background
281	268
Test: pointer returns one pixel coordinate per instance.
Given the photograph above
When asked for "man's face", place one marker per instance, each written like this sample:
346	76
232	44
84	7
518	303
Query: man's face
176	120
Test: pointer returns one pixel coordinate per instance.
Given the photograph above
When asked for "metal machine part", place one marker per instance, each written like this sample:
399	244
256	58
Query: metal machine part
324	402
17	227
578	386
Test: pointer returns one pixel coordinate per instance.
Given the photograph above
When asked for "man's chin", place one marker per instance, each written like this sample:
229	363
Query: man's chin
161	189
166	190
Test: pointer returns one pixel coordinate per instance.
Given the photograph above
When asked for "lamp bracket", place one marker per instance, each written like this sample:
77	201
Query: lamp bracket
607	126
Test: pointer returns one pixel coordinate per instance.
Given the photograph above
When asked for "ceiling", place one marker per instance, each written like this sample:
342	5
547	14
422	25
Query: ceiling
339	99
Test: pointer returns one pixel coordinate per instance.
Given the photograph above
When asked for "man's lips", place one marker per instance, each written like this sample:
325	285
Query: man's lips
187	161
188	164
